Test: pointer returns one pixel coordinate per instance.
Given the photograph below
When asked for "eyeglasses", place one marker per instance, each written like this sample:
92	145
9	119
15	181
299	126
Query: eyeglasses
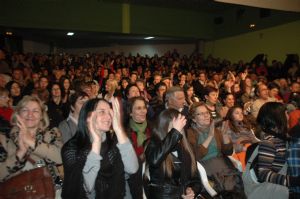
203	114
26	111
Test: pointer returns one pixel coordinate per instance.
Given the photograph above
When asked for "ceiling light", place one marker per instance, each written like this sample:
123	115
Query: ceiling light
149	38
252	25
70	33
9	33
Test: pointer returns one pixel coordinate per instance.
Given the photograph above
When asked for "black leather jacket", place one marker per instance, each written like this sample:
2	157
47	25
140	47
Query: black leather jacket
161	185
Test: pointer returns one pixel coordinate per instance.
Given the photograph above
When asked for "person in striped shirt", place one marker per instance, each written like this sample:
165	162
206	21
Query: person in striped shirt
272	152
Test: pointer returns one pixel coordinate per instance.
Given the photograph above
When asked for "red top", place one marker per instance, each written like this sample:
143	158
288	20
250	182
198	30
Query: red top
6	113
138	149
294	117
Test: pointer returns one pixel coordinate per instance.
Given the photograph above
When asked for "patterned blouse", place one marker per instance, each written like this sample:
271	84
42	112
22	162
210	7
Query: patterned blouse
47	149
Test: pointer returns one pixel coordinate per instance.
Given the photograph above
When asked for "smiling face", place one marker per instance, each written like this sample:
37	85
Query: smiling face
103	117
139	111
31	114
229	101
202	116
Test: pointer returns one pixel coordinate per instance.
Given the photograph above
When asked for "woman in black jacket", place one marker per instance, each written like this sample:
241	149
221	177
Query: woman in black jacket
172	165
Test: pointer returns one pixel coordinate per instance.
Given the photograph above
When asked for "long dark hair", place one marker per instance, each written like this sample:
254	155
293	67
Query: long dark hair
62	88
160	131
232	124
272	119
82	134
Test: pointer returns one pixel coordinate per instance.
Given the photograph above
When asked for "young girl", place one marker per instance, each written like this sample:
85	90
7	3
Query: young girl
240	132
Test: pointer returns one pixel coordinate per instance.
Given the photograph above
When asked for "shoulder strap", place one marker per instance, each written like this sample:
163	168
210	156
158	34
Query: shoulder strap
253	156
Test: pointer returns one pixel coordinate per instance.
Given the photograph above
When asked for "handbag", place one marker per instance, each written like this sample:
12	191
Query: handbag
255	190
33	184
222	174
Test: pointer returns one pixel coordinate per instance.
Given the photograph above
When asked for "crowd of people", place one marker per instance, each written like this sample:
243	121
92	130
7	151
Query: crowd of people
105	117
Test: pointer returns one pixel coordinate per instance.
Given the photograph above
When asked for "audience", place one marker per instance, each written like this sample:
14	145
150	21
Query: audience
185	83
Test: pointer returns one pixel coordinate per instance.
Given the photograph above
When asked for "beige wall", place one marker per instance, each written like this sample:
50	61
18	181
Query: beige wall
159	49
276	42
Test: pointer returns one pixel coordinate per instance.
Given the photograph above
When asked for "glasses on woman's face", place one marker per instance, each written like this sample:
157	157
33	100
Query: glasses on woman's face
203	114
26	111
4	97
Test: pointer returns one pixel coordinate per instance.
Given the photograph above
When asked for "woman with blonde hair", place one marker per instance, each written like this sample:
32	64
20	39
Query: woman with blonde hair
30	143
110	88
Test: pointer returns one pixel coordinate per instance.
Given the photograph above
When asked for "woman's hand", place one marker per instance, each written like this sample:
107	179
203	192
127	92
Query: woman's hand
179	122
116	115
223	111
224	131
189	193
211	132
117	121
24	135
96	135
244	75
21	152
92	122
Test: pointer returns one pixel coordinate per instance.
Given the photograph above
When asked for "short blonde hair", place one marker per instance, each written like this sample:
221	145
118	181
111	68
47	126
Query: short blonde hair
114	84
44	123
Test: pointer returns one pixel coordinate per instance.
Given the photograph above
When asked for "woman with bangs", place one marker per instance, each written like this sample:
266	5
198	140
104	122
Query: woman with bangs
96	159
172	165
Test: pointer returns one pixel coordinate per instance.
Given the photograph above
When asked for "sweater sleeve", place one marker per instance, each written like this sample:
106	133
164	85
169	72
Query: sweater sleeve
65	131
129	158
90	170
9	162
266	160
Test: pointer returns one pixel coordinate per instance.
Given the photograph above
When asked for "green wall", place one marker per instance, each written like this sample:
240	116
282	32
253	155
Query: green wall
175	22
276	42
97	15
86	15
